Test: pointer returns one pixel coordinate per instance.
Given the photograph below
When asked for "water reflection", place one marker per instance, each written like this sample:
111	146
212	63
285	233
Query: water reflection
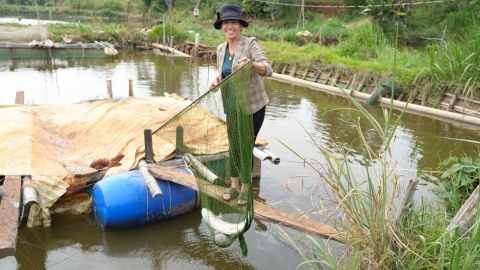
183	242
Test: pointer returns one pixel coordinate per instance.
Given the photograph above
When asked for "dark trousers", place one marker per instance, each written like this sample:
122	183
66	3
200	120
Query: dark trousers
234	138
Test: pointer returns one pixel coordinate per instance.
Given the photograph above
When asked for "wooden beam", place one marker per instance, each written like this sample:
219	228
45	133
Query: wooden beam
293	71
465	217
9	213
305	74
173	51
262	211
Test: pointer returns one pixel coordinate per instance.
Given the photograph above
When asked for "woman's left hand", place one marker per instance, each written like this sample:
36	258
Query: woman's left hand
243	60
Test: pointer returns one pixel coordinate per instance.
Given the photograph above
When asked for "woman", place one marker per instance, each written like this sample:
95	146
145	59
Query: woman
240	49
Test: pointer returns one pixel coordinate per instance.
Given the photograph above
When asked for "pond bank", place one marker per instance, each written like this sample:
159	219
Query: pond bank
411	107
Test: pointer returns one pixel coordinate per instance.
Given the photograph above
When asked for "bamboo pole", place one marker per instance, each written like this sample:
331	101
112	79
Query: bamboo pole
197	44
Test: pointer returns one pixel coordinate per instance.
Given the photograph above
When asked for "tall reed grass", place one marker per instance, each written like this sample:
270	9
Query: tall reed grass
365	208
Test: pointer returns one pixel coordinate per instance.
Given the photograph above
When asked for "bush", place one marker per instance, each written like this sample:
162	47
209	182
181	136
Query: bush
291	36
171	30
114	5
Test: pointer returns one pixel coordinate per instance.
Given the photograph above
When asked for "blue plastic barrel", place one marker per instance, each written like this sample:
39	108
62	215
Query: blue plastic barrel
123	201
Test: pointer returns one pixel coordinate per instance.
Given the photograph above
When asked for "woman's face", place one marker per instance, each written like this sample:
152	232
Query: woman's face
231	29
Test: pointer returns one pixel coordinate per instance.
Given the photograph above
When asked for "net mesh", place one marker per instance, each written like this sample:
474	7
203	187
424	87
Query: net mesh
222	120
35	32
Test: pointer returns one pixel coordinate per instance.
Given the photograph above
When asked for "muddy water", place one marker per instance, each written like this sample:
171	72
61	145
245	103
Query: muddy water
294	114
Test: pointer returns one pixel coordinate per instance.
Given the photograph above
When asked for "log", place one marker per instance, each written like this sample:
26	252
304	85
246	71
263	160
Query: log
465	217
172	50
411	188
9	213
262	211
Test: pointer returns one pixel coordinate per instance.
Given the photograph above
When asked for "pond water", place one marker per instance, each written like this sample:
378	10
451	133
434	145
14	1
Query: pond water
78	242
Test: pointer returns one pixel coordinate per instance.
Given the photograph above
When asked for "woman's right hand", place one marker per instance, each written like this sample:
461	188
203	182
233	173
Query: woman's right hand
214	82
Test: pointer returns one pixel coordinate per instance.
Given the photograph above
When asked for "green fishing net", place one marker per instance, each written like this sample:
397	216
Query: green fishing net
215	136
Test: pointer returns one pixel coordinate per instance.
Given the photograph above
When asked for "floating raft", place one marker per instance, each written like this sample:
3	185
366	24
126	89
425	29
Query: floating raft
38	50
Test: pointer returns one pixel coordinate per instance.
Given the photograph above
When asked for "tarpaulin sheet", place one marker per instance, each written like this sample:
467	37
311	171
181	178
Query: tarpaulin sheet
38	140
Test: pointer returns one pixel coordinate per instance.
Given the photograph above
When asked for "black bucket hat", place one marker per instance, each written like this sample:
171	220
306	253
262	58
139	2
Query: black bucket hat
229	12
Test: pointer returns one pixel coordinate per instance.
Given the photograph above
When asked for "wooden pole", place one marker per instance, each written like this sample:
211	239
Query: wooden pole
149	180
109	89
147	133
163	24
130	88
197	43
179	142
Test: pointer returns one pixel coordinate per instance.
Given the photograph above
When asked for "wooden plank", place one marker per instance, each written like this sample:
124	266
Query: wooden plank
293	71
9	213
316	76
262	211
361	84
284	69
465	217
305	73
335	78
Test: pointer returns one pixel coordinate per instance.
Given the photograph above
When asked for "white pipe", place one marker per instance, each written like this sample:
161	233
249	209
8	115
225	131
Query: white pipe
386	101
30	195
150	181
263	154
209	175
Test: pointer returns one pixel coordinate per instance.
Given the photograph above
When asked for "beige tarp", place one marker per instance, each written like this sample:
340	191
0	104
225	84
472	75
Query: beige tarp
54	144
40	140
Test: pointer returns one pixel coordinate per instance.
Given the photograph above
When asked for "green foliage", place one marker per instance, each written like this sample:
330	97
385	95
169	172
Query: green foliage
82	4
367	42
428	20
292	37
334	27
351	13
114	5
460	176
255	9
170	30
